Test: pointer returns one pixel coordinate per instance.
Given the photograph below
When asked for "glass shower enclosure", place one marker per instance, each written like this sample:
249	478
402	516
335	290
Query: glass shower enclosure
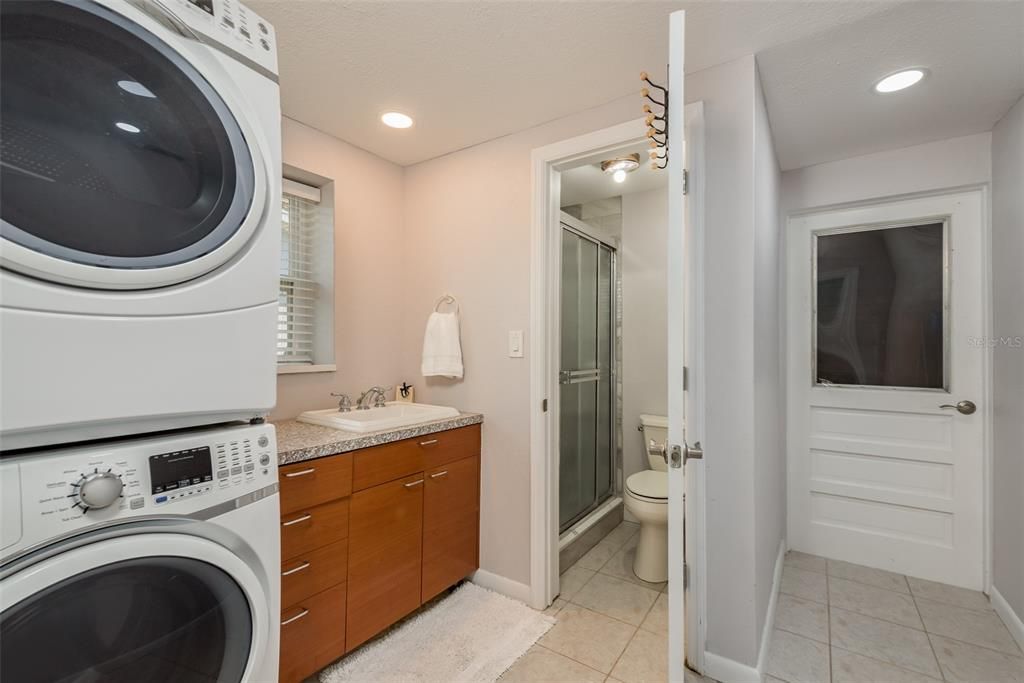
586	377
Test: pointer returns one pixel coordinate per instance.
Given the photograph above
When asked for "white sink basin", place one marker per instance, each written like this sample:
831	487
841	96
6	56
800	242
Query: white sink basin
392	416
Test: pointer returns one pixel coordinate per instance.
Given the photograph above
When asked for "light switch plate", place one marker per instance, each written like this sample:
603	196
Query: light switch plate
515	343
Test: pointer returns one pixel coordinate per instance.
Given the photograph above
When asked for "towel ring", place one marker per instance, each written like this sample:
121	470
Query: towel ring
447	299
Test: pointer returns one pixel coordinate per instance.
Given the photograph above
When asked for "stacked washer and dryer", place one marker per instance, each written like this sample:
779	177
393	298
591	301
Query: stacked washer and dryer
139	252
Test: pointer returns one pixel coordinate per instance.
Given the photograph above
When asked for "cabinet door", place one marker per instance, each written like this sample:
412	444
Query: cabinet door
451	524
385	556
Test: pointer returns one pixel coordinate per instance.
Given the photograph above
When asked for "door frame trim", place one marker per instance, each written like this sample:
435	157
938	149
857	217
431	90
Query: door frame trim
547	162
984	191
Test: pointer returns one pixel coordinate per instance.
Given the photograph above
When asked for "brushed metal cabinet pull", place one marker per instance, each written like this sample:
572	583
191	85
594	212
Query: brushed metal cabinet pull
413	483
303	518
300	473
304	565
438	474
429	442
298	616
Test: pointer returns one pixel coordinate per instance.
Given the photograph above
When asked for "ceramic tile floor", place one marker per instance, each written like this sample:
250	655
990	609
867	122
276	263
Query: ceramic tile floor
611	625
846	623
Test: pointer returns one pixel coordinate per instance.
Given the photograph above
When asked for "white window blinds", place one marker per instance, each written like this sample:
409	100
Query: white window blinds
297	295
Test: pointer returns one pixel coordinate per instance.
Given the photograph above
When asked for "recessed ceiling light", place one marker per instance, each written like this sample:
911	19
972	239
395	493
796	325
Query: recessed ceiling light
127	127
396	119
900	80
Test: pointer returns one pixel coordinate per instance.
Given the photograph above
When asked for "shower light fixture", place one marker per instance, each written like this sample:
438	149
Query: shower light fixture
619	167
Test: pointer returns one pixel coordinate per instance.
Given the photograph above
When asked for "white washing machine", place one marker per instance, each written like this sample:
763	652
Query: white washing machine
153	560
140	210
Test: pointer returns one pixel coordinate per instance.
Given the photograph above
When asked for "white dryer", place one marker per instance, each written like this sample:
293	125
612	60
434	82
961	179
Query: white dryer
150	559
140	213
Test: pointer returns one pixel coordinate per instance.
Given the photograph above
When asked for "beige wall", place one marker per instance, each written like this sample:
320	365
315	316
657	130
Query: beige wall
467	231
644	267
367	269
1008	357
769	456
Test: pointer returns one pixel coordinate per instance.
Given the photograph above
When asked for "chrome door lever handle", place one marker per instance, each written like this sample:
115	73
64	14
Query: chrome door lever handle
962	407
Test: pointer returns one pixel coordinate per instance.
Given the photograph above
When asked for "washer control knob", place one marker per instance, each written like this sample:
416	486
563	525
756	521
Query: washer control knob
98	490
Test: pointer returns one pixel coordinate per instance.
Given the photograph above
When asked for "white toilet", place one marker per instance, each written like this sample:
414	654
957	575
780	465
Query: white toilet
646	497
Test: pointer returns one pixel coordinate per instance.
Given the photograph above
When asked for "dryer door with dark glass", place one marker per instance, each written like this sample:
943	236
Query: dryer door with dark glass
143	608
123	165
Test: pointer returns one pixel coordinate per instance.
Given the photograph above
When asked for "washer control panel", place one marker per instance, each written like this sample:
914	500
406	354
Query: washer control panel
65	489
234	25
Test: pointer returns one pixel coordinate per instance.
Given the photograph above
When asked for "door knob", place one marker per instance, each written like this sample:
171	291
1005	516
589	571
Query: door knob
963	407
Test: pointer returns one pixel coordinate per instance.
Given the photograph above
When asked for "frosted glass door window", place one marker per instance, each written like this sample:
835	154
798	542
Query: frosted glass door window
586	414
881	307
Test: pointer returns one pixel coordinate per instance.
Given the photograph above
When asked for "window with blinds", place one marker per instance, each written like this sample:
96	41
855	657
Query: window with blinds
299	289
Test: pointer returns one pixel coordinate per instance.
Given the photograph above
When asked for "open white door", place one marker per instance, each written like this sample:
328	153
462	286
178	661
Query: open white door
677	293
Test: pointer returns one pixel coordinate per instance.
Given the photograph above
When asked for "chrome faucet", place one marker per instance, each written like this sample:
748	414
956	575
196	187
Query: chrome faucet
344	402
374	393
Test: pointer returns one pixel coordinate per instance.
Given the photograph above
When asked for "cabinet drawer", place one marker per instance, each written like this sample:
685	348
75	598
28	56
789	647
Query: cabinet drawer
312	528
450	446
312	634
313	482
381	464
312	572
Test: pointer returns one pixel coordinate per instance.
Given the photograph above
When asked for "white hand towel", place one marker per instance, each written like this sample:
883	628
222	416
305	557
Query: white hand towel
442	350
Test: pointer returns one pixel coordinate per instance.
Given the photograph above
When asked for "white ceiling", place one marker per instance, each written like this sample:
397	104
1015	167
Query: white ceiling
818	89
470	72
587	182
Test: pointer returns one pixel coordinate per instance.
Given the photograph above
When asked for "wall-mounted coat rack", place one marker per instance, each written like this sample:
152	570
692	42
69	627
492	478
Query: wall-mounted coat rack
657	124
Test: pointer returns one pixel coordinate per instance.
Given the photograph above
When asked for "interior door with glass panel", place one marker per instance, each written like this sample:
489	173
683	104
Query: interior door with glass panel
886	409
586	438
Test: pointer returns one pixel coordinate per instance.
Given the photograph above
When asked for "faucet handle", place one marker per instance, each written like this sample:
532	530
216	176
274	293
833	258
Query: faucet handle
344	402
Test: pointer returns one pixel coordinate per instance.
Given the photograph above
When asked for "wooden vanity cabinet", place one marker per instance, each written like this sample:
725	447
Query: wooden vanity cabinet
369	536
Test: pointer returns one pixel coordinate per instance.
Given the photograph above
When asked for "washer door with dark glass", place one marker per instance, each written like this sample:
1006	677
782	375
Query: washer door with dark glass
122	165
100	615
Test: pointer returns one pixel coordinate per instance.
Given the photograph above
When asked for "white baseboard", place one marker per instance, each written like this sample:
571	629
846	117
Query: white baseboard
500	584
769	619
728	670
1010	618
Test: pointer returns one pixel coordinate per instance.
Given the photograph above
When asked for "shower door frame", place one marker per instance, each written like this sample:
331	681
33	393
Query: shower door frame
581	229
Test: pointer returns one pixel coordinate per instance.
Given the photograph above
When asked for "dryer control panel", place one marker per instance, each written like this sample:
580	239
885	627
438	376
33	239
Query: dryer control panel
233	25
69	489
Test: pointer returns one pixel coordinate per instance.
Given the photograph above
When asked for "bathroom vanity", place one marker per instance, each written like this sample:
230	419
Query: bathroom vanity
372	527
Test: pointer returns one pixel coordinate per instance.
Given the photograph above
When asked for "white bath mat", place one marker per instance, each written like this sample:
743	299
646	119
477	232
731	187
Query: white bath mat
472	636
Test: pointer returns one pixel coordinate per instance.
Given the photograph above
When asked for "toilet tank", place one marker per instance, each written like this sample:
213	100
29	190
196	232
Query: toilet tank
655	427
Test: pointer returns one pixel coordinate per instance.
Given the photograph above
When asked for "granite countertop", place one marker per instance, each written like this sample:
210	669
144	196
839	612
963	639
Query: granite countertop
298	441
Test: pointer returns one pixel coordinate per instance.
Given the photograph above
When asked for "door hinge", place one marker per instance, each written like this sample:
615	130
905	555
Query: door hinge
686	378
686	576
686	182
544	406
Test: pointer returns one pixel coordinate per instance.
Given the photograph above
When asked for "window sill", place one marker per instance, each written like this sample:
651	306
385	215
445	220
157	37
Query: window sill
286	369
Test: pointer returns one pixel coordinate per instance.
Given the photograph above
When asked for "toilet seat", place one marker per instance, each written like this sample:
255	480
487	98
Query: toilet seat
649	485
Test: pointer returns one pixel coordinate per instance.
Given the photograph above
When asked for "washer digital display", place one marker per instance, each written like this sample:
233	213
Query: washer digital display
178	469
